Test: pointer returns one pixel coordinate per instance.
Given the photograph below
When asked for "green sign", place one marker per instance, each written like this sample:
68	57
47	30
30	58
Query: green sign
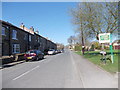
104	38
107	38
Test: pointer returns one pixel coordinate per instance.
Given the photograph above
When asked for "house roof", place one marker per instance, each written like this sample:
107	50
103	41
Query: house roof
26	29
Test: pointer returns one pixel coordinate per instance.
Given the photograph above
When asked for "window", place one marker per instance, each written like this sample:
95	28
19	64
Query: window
3	30
37	39
16	48
30	37
14	34
7	27
30	47
25	38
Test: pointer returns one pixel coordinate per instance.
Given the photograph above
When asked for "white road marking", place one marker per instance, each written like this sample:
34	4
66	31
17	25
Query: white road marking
26	73
44	61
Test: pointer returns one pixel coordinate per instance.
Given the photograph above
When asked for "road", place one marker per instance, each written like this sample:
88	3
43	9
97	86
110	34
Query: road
64	70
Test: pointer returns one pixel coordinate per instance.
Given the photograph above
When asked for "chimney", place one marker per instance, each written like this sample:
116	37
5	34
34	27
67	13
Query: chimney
37	31
31	28
22	26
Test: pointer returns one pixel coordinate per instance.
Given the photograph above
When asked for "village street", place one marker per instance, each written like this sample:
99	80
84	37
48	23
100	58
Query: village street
64	70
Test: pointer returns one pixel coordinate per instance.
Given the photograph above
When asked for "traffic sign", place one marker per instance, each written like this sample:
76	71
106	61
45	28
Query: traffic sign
107	38
104	38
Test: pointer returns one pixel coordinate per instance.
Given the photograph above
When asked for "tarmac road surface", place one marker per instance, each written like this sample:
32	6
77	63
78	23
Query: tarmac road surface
64	70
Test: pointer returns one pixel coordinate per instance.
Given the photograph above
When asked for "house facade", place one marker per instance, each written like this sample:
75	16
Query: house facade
17	40
116	46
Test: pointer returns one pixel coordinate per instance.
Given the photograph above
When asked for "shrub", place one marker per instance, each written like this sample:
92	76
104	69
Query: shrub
78	48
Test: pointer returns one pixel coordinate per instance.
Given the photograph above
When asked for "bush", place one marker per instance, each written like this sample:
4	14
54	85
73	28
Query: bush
92	47
98	47
78	48
107	48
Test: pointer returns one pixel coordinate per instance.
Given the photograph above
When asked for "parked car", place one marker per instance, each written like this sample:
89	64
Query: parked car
46	51
56	52
34	55
59	51
62	50
51	52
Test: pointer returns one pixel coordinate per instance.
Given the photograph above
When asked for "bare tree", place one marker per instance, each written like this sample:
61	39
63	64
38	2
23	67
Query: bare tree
111	17
71	40
60	46
94	18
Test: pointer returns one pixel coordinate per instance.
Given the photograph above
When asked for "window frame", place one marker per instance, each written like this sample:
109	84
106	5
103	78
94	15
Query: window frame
30	38
25	37
15	48
14	34
3	30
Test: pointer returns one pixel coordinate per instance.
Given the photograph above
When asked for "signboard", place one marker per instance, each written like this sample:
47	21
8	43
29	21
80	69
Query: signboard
104	38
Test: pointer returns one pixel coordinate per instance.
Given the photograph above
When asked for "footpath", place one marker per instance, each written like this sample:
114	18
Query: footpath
11	64
93	76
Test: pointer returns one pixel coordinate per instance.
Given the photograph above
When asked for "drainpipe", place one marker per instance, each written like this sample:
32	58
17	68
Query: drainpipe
28	47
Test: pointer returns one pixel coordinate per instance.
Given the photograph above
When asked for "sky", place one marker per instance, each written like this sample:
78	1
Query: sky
51	19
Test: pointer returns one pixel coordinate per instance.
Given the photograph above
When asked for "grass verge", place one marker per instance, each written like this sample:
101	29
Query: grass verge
95	58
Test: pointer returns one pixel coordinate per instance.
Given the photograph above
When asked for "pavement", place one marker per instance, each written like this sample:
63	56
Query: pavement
64	70
11	64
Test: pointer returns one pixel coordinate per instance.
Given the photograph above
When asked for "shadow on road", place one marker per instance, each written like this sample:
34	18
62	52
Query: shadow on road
11	64
37	60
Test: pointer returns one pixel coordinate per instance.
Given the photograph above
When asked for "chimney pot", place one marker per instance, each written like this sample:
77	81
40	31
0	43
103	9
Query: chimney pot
22	26
37	31
31	28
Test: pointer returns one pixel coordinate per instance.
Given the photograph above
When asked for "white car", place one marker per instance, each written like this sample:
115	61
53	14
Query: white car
51	52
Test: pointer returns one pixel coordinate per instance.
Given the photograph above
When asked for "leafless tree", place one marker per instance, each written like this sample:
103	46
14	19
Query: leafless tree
93	18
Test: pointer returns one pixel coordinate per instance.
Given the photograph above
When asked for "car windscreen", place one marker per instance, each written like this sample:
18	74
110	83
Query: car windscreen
51	50
31	52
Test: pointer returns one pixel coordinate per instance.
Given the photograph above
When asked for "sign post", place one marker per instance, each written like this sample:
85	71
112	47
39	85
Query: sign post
111	50
107	38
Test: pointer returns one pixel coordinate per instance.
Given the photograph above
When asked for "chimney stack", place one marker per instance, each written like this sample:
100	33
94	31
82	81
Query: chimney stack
37	31
22	26
31	28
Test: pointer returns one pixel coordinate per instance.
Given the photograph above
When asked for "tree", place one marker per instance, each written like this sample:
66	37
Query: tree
96	45
60	46
111	16
78	19
94	18
72	40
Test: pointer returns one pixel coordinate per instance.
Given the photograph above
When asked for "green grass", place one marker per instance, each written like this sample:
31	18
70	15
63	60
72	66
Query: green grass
112	68
108	51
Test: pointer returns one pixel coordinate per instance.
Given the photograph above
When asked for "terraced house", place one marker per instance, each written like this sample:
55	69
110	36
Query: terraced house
18	40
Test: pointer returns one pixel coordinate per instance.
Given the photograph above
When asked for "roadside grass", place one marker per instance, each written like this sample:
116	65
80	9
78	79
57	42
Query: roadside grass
95	58
108	51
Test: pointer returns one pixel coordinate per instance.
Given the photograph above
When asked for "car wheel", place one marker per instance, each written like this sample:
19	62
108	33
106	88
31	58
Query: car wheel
42	57
27	60
37	58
